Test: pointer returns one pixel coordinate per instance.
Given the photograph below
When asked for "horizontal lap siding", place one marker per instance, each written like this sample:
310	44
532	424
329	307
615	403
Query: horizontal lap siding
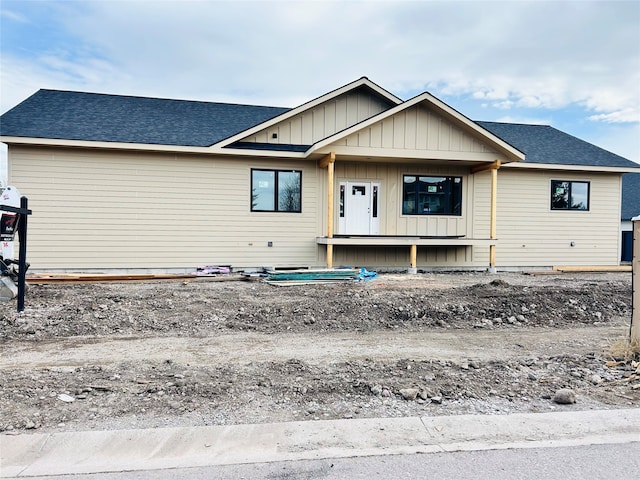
531	234
124	210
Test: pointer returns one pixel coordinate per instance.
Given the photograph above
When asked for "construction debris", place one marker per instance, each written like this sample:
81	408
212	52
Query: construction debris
209	270
315	276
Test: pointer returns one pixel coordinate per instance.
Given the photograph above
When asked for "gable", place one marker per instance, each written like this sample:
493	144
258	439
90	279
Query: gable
324	120
417	128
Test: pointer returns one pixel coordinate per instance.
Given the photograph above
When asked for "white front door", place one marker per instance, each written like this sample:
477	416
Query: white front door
359	208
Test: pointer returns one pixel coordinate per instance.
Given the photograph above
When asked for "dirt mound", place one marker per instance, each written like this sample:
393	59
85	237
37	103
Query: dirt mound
119	384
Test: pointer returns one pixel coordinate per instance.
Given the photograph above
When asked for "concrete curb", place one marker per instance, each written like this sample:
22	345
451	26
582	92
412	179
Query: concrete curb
160	448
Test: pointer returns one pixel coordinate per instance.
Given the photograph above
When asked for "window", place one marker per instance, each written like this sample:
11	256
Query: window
422	195
276	190
569	195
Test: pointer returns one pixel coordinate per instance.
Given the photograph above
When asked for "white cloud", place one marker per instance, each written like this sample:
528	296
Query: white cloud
628	115
515	56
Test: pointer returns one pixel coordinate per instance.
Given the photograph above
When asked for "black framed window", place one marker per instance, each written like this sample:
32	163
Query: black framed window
276	190
569	195
427	195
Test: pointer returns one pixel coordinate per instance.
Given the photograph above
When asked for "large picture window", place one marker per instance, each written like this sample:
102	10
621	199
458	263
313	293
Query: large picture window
425	195
276	191
566	195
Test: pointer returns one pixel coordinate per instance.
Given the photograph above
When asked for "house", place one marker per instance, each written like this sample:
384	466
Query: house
630	209
354	177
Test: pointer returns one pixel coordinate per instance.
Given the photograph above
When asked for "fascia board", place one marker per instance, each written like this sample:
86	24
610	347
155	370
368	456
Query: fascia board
54	142
573	168
512	153
307	106
50	142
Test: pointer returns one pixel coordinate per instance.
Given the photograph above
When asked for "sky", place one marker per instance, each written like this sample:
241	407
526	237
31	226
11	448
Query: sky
572	64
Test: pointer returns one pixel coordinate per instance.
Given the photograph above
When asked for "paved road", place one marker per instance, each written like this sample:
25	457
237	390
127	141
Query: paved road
588	462
398	446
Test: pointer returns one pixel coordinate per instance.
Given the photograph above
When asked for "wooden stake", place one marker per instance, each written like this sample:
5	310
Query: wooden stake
635	282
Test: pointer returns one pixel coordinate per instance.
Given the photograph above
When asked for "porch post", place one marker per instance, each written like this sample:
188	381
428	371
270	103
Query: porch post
413	255
329	162
494	167
494	208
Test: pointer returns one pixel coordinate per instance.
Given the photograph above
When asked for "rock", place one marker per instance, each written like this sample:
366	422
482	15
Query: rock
595	379
425	394
386	392
376	389
474	364
29	425
409	393
436	400
66	398
564	396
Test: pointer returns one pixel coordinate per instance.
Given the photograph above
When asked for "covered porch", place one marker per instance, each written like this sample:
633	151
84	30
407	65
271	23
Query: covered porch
390	238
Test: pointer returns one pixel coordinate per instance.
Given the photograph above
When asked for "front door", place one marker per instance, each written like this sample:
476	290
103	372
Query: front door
359	202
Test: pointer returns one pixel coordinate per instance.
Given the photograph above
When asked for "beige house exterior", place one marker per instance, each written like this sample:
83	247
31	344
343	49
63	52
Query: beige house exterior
379	183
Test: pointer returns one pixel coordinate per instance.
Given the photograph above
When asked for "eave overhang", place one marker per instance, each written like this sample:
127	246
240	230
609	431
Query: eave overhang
52	142
575	168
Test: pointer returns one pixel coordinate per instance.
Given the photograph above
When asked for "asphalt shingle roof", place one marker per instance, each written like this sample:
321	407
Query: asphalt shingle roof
57	114
114	118
545	144
630	195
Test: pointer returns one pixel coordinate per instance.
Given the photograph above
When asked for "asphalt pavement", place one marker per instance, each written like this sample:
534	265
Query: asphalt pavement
92	452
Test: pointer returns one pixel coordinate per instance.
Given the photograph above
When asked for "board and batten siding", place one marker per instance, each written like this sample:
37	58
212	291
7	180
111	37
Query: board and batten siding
416	128
390	177
122	210
394	223
323	121
531	234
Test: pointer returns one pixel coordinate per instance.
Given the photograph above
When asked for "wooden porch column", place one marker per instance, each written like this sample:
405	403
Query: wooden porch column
329	162
494	209
413	255
494	167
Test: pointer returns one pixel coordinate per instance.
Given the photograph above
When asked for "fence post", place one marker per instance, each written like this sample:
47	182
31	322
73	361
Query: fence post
635	283
22	256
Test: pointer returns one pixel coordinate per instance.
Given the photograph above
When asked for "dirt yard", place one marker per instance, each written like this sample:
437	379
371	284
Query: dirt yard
206	351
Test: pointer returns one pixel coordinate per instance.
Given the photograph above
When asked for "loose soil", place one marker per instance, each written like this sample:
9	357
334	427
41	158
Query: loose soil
225	351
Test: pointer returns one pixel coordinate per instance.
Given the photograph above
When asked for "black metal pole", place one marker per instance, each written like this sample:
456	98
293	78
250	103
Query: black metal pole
22	256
